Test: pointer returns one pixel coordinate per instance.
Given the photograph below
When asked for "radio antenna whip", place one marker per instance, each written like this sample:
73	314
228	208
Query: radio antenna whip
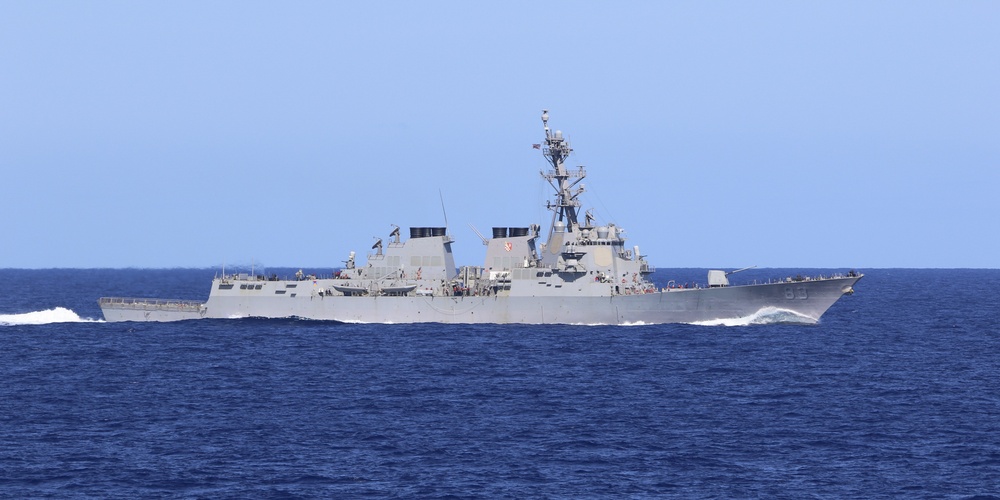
445	212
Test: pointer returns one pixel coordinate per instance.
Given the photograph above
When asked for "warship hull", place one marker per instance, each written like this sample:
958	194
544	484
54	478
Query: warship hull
801	302
583	273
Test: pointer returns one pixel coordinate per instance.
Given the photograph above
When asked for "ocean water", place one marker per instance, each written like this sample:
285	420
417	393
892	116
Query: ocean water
895	393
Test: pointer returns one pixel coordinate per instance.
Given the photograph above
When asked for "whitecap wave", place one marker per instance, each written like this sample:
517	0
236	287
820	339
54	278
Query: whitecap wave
54	315
765	316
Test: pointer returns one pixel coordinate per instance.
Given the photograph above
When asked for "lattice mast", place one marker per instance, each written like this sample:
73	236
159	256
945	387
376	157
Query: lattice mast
567	203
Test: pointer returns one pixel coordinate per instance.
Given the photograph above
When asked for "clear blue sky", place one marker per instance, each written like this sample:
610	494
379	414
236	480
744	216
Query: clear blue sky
730	134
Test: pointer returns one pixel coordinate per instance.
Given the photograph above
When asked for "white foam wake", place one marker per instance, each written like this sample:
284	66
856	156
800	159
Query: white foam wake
765	316
54	315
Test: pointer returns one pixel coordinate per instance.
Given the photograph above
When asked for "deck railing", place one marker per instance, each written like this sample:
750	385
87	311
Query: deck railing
158	304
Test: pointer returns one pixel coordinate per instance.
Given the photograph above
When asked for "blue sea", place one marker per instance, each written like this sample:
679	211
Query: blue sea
895	393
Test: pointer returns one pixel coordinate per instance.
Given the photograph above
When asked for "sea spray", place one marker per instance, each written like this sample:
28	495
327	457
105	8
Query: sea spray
765	316
54	315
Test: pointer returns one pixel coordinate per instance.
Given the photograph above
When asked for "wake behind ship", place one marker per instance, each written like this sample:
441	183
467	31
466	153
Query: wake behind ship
581	273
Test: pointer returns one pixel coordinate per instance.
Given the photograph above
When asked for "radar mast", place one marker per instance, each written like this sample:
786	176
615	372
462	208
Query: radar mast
556	151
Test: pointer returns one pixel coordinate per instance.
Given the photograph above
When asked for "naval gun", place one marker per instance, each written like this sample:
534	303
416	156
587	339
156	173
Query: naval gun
717	278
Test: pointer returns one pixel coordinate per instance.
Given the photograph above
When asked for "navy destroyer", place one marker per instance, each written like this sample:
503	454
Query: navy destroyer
581	273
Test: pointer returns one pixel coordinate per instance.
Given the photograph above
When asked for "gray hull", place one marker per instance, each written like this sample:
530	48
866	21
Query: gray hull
806	300
132	309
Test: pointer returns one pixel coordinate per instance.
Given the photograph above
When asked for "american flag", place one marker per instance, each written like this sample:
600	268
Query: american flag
536	146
